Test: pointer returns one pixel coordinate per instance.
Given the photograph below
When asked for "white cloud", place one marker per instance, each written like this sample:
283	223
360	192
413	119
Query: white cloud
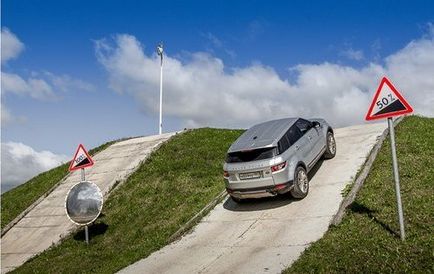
33	87
8	118
216	42
20	162
10	44
66	83
40	86
218	45
412	70
353	54
202	92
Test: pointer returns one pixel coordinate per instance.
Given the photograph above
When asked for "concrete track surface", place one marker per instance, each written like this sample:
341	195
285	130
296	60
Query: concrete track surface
47	222
267	235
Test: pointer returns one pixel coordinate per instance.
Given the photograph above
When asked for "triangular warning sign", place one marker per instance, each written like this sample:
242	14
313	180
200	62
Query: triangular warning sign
81	159
387	102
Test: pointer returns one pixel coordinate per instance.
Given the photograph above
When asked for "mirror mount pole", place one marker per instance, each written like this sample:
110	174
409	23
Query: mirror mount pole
83	178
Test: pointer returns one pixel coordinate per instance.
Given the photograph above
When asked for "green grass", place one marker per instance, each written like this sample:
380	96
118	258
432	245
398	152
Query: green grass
347	189
367	240
177	181
16	200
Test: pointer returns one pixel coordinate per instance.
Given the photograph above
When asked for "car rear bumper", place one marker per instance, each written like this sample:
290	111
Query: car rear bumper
260	192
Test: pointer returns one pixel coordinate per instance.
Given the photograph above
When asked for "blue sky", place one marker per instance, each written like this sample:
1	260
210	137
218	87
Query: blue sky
280	35
281	43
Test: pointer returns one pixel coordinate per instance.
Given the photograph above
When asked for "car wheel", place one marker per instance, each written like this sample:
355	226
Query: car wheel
330	146
301	183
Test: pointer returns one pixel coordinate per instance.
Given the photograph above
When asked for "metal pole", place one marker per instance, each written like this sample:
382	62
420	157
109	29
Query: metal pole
161	95
83	178
86	229
396	177
86	234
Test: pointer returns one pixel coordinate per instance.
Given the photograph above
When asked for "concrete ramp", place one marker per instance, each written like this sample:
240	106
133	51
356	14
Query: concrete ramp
267	235
47	222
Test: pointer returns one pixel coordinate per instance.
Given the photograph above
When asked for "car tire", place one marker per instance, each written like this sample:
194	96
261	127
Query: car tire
330	146
301	183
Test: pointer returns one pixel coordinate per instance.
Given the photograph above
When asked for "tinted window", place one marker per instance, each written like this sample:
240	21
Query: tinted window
303	125
283	144
293	134
251	155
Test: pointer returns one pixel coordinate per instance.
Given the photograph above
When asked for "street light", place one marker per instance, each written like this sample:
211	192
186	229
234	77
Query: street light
160	53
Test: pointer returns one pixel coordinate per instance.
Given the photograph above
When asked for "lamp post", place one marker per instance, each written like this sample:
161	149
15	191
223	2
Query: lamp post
160	53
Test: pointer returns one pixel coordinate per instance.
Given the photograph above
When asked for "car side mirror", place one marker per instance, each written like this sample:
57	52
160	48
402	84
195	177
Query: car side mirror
316	124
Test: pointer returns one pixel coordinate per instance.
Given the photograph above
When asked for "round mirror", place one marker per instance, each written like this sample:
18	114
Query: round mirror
84	203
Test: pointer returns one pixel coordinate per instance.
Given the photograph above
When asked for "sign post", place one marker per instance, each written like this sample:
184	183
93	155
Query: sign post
396	177
86	230
387	103
81	160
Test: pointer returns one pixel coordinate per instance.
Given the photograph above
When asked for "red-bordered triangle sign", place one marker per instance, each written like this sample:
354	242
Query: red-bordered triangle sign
388	102
81	159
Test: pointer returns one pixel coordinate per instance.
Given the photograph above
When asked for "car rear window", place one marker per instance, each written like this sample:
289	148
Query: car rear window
251	155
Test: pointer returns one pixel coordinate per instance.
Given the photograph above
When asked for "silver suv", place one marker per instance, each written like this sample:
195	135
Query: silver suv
275	157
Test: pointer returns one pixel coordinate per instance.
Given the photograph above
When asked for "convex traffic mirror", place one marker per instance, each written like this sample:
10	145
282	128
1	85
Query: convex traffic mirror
84	203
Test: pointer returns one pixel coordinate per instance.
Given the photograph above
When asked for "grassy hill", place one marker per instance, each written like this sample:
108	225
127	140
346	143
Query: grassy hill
176	182
367	240
16	200
185	174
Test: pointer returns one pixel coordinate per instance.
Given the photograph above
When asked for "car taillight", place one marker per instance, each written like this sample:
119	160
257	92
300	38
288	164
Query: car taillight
280	186
225	174
278	167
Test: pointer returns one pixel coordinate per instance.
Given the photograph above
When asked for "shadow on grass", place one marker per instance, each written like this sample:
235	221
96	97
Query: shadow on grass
94	230
362	209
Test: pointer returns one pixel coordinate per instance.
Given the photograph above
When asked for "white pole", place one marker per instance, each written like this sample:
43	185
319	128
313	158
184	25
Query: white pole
160	53
161	97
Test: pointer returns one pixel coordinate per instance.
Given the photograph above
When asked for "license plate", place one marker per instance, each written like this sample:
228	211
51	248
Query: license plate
250	175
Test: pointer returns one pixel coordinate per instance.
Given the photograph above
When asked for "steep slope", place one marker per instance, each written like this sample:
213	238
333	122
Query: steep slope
46	222
367	240
16	200
176	182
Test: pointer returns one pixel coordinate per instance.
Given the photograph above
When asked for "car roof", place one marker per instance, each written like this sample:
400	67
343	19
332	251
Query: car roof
262	135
